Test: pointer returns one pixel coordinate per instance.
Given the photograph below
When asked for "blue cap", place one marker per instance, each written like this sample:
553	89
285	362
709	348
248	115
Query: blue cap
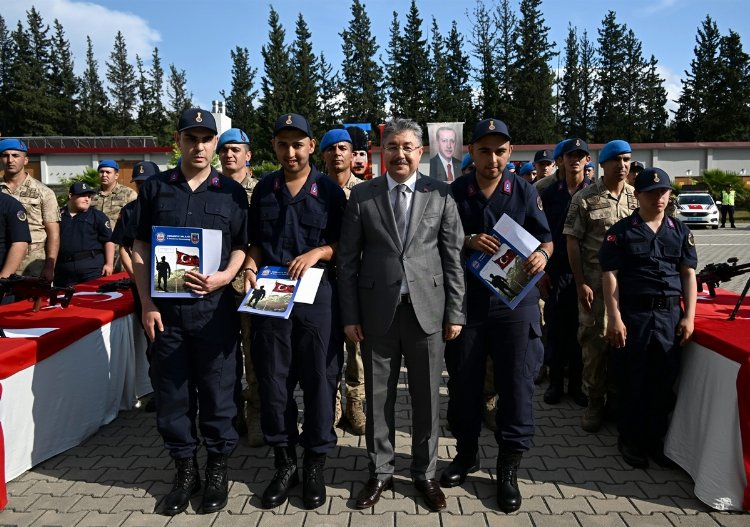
144	170
489	127
292	121
334	136
81	187
637	165
544	155
13	144
652	178
197	118
511	167
108	163
588	165
232	136
574	145
466	161
612	149
526	168
558	149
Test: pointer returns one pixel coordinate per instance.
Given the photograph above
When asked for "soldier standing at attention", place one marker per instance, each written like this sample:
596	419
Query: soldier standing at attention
42	212
112	196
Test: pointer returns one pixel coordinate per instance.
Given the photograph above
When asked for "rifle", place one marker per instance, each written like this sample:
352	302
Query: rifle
714	273
35	288
123	283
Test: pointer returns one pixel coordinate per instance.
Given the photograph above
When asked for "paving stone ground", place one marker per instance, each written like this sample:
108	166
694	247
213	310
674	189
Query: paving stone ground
119	475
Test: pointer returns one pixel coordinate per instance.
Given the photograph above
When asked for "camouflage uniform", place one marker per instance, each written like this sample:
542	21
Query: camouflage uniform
111	203
41	207
545	182
592	212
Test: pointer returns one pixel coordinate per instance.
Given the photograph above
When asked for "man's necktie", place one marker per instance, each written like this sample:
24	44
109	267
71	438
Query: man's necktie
399	211
450	171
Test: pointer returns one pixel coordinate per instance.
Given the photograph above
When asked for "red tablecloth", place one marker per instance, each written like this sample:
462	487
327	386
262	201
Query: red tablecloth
730	338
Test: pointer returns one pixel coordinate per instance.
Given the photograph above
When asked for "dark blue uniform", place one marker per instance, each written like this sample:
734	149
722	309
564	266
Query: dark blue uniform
298	349
561	308
82	238
124	231
648	276
14	226
512	337
194	361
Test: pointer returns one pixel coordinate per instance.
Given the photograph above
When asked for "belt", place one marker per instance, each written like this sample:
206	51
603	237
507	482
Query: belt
652	302
405	299
81	255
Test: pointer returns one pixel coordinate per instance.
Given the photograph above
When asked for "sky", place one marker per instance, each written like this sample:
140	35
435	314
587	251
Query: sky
197	36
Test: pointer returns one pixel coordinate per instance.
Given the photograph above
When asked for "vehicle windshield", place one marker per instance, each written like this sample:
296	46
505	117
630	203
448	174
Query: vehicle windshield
692	199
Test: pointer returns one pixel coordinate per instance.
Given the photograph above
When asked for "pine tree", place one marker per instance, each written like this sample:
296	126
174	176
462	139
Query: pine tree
122	87
484	50
305	84
533	78
180	99
63	84
441	84
569	89
589	88
506	24
393	72
328	95
361	84
158	120
7	118
654	118
414	78
458	72
609	107
142	125
94	104
733	110
633	97
239	101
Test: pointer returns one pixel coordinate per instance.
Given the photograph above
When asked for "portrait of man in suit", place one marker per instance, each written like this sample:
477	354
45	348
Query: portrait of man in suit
445	166
401	289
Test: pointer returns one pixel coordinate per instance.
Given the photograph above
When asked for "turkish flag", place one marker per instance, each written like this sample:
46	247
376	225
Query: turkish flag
506	259
188	260
283	288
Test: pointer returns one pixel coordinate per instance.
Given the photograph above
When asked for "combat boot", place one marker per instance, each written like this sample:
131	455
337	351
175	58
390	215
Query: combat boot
508	494
591	421
217	484
314	484
285	477
355	414
187	482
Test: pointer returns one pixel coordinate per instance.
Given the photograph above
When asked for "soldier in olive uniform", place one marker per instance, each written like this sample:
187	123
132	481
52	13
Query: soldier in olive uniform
41	207
112	196
592	212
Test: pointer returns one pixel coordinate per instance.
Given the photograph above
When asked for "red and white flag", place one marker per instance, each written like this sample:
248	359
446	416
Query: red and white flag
506	259
283	288
188	260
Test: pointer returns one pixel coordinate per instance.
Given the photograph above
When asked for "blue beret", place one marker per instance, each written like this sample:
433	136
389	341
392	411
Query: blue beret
232	136
612	149
144	170
652	178
526	168
13	144
108	163
559	148
466	161
334	136
589	165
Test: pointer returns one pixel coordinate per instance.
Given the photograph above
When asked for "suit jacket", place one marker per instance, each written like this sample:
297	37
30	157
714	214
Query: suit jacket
372	262
437	170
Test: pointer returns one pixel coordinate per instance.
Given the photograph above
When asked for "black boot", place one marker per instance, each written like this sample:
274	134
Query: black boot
285	461
187	481
508	495
217	484
314	484
455	474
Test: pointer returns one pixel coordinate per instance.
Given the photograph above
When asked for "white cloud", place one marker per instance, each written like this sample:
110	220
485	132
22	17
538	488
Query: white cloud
660	6
80	19
673	85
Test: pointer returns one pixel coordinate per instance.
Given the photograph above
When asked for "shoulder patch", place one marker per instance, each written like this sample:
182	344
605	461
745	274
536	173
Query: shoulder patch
691	240
314	189
106	224
21	215
611	238
539	203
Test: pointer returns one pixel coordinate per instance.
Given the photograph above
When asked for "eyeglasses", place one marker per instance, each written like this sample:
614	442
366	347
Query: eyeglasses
392	149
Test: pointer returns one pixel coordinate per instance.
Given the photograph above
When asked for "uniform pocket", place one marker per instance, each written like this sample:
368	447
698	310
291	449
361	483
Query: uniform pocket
217	215
313	224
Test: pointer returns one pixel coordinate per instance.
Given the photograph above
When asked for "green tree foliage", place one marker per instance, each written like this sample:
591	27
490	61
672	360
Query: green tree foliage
441	83
122	88
180	99
394	74
63	84
6	61
612	63
239	101
505	22
94	103
569	89
458	72
654	112
588	86
532	78
158	120
328	97
484	51
733	111
305	73
363	99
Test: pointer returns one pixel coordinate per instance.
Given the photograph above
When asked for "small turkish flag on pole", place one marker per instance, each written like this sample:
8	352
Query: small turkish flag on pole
188	260
283	288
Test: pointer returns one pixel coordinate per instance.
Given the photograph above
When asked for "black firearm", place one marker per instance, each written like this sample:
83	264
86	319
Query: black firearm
35	288
714	273
123	283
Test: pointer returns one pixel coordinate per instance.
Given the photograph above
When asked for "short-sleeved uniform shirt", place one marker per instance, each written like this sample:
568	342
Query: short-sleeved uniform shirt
40	203
556	200
218	203
84	231
124	231
647	262
14	226
513	196
249	184
284	226
591	213
350	184
112	202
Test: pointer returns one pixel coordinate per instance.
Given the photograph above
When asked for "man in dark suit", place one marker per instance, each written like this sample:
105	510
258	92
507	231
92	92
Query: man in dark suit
401	294
444	166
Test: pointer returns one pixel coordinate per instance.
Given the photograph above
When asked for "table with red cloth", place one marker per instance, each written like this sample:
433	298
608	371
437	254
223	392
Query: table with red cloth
58	388
709	435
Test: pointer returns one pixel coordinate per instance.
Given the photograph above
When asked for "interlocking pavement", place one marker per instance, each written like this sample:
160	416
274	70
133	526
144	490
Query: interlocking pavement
119	475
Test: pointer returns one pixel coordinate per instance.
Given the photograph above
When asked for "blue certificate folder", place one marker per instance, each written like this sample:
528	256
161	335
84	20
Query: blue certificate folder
273	295
502	273
176	250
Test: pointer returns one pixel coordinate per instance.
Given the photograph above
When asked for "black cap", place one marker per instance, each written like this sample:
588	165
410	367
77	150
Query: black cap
652	178
81	187
292	121
572	145
543	155
197	118
489	127
637	165
360	141
143	170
